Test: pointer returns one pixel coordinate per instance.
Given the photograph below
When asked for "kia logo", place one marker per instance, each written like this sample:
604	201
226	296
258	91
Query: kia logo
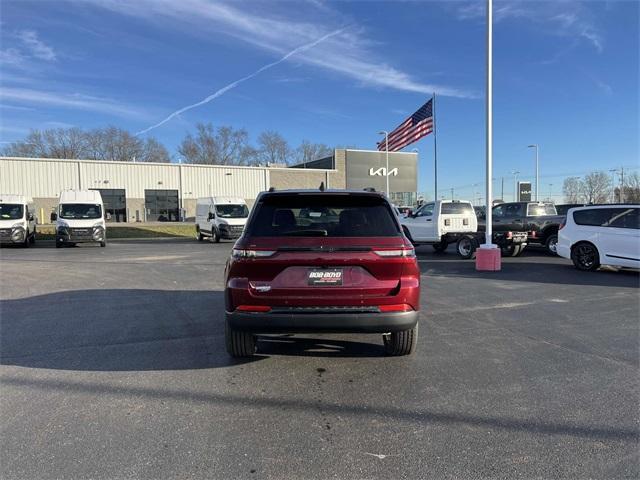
382	172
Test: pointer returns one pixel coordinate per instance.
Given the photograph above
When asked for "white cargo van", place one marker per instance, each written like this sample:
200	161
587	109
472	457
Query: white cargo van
80	218
440	223
17	220
220	217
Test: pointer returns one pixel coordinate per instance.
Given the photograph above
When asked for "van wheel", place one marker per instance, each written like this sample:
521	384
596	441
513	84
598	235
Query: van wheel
585	257
199	235
440	247
465	247
552	244
239	344
215	236
32	239
401	343
103	243
27	241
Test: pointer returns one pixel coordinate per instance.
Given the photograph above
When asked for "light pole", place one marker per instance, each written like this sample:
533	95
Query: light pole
550	186
386	148
515	184
535	145
613	183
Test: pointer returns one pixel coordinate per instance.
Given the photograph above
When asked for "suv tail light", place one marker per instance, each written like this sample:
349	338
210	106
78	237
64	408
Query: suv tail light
241	253
533	234
403	252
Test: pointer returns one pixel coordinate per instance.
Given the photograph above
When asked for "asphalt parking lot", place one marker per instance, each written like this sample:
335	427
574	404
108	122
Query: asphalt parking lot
113	366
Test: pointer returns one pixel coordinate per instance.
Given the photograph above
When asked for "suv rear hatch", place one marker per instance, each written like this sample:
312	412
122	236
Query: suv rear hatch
319	250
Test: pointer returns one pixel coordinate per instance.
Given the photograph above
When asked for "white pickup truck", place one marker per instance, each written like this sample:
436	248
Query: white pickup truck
440	223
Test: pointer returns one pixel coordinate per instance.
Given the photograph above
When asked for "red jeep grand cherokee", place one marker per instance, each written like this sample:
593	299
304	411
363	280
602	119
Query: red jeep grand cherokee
322	261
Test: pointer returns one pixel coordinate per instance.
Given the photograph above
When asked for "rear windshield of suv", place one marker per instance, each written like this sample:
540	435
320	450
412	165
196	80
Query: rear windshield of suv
456	209
323	215
536	210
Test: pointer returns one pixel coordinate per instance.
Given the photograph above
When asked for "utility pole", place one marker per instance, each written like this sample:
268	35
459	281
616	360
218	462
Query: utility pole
621	184
515	184
451	193
535	145
386	148
502	190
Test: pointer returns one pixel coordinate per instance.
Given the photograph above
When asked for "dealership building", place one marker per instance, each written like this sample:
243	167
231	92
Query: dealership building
136	192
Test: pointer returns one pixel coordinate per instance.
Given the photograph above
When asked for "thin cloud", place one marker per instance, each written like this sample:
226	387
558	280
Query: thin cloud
350	53
74	101
568	18
228	87
36	47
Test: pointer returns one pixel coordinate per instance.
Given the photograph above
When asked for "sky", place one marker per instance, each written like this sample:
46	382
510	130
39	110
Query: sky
565	76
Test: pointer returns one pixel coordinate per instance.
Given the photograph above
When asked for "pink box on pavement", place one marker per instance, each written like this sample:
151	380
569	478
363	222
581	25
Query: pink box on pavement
488	259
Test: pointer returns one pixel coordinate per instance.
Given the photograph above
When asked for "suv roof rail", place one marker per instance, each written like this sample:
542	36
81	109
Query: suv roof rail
369	189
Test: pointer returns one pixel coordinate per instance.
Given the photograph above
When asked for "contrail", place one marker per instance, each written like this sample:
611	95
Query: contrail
225	89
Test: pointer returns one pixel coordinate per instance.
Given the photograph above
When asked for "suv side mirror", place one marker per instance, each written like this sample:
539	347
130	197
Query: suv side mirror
54	216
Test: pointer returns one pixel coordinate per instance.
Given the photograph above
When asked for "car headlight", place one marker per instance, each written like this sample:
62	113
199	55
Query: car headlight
98	233
17	234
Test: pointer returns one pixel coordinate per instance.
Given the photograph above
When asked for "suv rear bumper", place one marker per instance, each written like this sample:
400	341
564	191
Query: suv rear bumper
322	322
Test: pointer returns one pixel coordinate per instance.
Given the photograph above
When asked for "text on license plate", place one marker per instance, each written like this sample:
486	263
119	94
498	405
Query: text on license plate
325	276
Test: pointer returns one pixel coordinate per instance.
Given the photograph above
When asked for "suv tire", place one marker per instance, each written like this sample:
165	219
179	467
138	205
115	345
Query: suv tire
401	343
512	250
551	244
585	256
239	344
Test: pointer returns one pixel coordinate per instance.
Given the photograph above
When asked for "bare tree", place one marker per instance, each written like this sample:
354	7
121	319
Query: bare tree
307	151
110	143
215	146
273	147
632	188
54	143
572	189
596	187
154	151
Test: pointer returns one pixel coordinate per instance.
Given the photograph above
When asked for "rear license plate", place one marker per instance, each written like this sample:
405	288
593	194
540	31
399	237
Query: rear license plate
325	276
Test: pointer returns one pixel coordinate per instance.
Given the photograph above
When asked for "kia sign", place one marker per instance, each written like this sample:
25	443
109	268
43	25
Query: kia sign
366	169
524	191
383	172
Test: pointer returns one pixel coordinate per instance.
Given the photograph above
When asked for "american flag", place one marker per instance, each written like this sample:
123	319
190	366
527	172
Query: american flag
411	130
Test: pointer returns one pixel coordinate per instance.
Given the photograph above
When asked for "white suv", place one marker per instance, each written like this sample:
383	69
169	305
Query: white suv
601	235
440	223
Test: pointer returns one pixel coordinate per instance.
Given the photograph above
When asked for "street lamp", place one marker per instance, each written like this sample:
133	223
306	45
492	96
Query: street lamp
386	148
535	145
515	184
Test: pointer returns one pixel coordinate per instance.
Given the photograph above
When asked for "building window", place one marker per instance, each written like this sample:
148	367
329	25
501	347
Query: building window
161	205
115	204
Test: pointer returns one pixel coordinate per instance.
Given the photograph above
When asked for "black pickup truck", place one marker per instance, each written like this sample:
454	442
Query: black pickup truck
539	220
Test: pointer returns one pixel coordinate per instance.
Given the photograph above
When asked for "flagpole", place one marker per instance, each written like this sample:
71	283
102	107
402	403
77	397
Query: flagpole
435	151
